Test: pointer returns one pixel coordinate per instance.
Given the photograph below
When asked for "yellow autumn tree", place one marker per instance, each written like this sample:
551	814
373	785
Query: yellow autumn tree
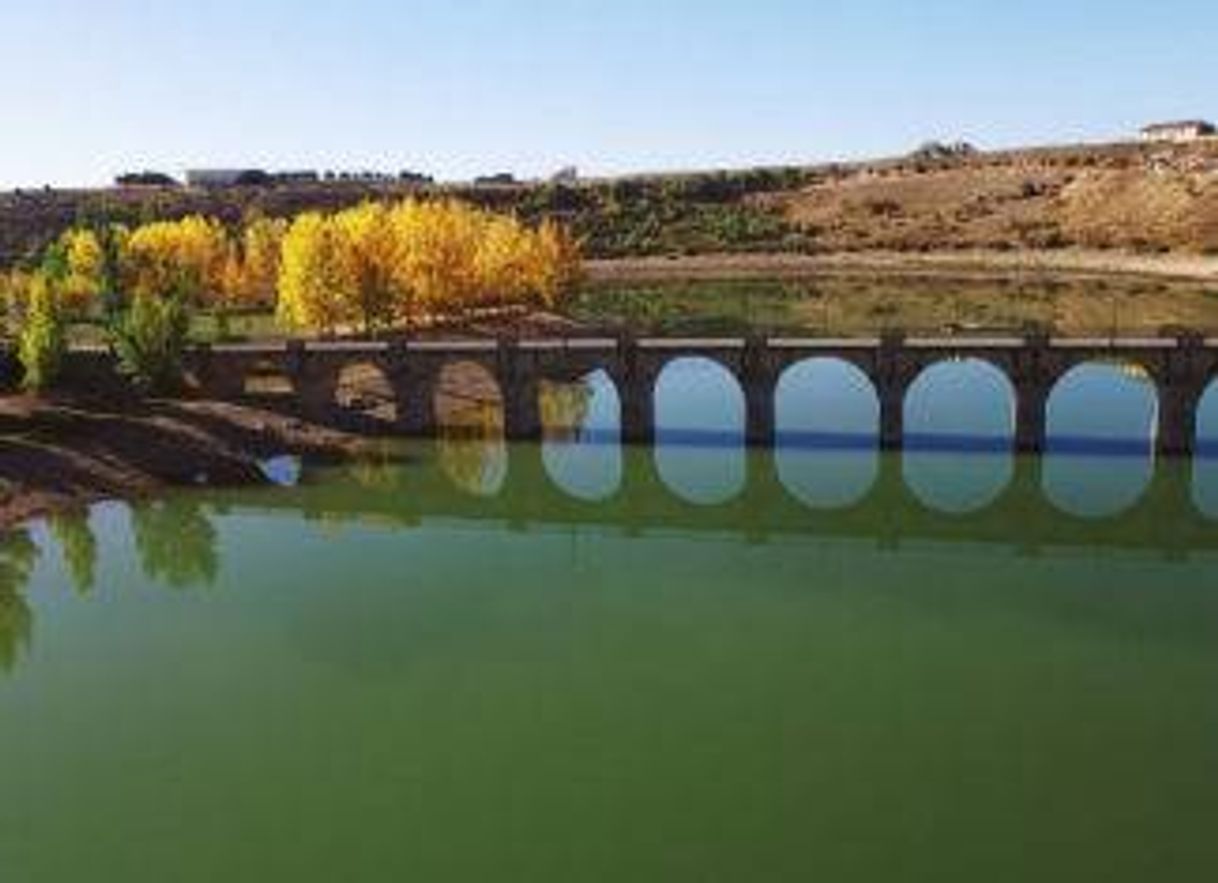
310	273
373	265
188	256
504	261
436	248
13	287
367	253
257	265
556	267
85	262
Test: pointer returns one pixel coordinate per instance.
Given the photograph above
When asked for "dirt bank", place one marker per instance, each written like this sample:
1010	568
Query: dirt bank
62	454
970	262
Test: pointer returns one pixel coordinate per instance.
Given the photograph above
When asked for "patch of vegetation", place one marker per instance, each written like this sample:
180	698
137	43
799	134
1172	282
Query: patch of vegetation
691	214
149	338
42	339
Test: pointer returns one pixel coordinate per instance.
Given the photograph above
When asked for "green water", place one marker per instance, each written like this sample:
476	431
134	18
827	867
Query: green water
442	666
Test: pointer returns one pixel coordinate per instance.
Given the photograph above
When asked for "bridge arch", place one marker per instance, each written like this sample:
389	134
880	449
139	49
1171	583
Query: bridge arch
700	414
581	435
364	392
1101	422
470	437
959	422
827	432
266	380
1205	454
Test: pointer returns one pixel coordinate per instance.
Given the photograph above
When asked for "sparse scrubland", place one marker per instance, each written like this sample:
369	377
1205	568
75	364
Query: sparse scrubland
1134	197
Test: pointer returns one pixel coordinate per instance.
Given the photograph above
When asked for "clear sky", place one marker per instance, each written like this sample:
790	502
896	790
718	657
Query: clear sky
460	87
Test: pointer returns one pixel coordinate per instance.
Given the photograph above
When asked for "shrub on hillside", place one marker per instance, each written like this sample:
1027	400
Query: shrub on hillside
149	338
42	340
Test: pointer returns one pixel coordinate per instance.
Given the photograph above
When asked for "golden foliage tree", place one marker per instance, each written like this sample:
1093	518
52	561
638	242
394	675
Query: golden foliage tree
375	264
252	269
310	275
371	266
187	257
85	261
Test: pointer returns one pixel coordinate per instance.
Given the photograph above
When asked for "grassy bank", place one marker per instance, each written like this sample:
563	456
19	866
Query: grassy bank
856	302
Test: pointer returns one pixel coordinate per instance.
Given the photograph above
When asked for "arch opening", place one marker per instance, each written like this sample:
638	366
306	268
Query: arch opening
468	407
363	392
700	451
581	435
1100	425
959	433
267	383
1205	457
827	423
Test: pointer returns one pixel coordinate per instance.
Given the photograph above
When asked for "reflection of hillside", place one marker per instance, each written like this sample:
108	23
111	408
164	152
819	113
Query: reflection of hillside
18	554
471	447
564	408
176	542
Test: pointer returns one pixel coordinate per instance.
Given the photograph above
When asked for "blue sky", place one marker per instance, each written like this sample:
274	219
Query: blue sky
94	87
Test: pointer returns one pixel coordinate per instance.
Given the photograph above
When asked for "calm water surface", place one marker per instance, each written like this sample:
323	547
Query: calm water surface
466	660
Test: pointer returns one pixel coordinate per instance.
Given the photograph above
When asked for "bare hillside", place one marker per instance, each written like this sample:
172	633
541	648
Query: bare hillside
1136	197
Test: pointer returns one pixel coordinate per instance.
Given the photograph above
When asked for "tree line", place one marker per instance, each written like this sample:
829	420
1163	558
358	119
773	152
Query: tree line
373	267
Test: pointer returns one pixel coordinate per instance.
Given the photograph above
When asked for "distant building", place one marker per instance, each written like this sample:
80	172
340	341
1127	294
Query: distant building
145	179
1180	132
565	175
296	177
497	180
216	178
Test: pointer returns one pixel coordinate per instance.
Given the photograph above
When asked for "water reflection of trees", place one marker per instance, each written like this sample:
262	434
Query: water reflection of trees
376	467
79	548
18	555
564	408
471	448
176	542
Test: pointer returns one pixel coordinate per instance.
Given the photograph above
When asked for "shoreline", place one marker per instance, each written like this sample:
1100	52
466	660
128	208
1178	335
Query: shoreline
64	454
972	263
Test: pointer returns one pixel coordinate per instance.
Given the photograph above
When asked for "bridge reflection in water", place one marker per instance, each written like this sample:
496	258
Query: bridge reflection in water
959	478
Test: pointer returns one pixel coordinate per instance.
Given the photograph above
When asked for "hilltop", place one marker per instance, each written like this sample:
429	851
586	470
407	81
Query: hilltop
1147	198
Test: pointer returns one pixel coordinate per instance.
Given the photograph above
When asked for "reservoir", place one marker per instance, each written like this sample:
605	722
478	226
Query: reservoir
575	660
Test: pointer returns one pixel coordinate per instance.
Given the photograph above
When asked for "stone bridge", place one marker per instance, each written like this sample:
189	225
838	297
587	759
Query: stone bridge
1179	367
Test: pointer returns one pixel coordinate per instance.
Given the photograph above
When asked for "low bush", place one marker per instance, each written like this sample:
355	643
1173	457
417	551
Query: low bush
149	338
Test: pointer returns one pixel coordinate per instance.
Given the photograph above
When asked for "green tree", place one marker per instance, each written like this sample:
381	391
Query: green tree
149	338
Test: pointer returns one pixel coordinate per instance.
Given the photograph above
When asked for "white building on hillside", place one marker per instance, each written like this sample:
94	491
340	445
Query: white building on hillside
1180	132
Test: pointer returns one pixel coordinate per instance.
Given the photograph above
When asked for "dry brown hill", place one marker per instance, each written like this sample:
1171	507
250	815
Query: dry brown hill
1134	196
